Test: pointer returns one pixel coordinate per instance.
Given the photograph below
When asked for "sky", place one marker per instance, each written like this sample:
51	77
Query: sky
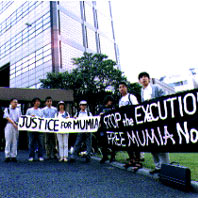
157	36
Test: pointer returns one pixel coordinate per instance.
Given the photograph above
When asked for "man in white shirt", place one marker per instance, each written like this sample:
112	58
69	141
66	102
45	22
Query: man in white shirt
35	138
148	92
12	115
125	100
80	137
50	138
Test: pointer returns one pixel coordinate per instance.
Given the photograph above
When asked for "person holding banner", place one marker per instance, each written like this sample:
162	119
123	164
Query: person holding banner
62	137
81	136
11	114
108	106
50	138
148	92
125	100
35	138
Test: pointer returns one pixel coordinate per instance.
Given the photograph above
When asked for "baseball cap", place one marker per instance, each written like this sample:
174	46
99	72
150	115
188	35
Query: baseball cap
61	102
83	102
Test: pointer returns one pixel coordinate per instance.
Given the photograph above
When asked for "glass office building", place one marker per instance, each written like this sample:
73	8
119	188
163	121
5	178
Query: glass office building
37	37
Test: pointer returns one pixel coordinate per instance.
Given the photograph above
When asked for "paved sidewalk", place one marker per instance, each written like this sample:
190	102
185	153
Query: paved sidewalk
52	179
143	171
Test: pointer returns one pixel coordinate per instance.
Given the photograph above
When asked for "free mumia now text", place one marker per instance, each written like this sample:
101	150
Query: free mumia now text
170	120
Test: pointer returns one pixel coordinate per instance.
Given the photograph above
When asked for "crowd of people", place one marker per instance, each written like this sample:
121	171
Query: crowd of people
56	145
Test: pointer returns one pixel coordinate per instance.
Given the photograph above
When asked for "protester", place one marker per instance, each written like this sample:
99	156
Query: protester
62	137
81	136
11	114
107	106
35	138
129	99
148	92
50	138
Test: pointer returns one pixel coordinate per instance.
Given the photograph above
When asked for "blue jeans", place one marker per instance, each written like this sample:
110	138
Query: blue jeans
35	141
79	139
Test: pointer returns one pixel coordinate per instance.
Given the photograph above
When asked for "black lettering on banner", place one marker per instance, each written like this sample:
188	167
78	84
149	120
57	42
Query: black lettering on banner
76	123
166	124
24	120
56	125
40	122
34	123
66	125
28	122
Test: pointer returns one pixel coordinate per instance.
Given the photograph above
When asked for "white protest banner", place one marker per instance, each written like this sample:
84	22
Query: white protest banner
56	125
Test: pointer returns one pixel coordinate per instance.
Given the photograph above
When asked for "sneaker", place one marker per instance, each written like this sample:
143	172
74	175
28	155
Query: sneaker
112	159
13	159
103	160
61	159
7	159
48	158
87	160
72	160
31	159
154	171
41	159
65	159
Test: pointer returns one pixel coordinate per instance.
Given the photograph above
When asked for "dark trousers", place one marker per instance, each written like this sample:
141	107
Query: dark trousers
134	155
103	143
83	137
50	144
35	141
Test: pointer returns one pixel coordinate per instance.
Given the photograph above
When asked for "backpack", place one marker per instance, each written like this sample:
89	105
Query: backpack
66	114
88	113
129	99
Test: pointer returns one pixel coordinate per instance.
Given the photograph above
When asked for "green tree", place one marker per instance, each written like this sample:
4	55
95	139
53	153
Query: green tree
94	77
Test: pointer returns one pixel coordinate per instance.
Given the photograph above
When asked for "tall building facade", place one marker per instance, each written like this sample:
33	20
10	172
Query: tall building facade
37	37
183	80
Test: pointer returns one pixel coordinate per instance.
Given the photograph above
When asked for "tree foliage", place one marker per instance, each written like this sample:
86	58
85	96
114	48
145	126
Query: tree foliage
94	77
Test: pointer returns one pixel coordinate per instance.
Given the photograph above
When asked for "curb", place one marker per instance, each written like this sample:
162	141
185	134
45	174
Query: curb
143	171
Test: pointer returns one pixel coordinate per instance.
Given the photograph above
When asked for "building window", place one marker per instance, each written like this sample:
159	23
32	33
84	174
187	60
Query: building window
27	34
91	36
89	17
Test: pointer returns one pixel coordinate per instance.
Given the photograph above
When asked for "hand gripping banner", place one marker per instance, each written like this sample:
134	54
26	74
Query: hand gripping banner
56	125
166	124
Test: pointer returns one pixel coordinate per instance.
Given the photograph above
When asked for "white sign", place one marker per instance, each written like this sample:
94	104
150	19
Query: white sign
56	125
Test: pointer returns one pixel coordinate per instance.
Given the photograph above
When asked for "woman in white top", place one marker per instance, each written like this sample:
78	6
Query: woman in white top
62	137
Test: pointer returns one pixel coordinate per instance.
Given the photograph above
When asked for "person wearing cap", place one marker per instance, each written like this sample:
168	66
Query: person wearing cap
81	136
50	141
62	137
11	114
149	92
35	138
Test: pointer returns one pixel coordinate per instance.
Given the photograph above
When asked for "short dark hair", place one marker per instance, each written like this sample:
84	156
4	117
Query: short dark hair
35	99
123	83
107	99
12	99
48	98
143	74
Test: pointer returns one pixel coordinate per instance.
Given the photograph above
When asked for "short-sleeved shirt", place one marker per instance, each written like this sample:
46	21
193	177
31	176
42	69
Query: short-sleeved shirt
83	114
62	115
35	112
49	112
124	101
13	114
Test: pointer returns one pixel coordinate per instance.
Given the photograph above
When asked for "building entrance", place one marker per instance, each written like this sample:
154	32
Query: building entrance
5	76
